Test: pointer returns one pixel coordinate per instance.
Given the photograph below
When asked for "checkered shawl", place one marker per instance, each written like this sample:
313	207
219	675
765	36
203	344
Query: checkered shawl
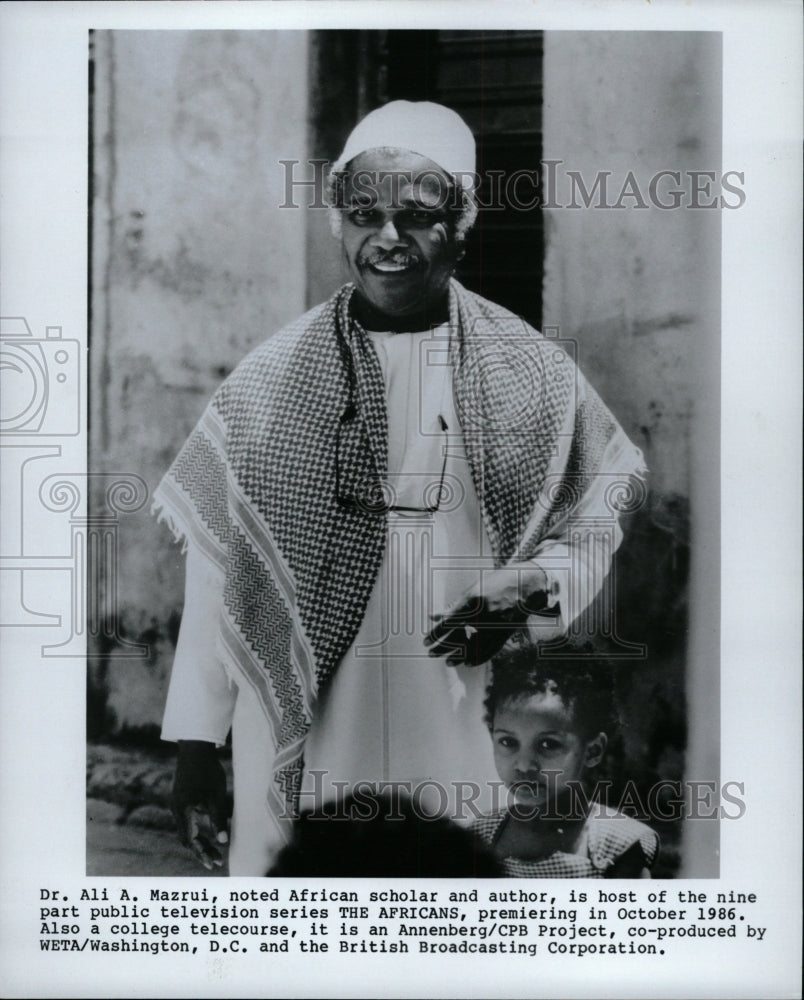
255	486
610	834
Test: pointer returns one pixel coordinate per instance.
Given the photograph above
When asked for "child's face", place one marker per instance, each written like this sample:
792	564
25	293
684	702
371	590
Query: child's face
537	734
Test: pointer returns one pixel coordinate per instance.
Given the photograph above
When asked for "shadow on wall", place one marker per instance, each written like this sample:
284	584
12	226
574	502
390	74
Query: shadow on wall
652	568
126	694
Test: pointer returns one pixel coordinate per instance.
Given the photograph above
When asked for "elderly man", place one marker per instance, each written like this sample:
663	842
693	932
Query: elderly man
376	500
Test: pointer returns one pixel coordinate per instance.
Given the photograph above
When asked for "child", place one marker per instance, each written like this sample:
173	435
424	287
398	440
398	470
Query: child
549	723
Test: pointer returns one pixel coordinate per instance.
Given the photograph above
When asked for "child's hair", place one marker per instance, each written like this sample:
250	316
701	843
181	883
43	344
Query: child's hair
584	683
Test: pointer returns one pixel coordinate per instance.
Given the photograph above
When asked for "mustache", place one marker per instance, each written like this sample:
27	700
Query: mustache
400	258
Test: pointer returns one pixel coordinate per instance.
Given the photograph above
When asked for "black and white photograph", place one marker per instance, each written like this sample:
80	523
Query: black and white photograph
406	480
389	500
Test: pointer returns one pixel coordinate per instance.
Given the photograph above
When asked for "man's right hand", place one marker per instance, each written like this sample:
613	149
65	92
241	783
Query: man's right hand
199	801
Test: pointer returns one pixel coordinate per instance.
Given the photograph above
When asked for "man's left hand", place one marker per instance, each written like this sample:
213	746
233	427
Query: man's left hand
479	624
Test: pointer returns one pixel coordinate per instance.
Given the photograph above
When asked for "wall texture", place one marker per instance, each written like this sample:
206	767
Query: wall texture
637	289
193	264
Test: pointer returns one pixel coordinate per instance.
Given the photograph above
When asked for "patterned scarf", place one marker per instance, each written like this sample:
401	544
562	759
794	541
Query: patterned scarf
259	483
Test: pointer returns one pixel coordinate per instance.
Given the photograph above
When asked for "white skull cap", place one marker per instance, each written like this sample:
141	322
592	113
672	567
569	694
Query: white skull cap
423	127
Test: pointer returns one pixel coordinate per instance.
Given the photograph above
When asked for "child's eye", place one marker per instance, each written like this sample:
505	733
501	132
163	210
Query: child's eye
550	746
507	742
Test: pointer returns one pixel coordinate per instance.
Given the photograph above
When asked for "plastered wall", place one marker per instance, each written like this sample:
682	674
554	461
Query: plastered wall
193	264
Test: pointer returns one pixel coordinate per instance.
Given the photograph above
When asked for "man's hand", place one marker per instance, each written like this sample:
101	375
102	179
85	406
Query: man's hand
199	801
479	624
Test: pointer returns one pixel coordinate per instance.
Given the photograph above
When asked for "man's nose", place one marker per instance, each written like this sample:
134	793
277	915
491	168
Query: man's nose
388	237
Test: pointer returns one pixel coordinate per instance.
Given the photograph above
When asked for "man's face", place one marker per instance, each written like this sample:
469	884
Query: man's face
397	234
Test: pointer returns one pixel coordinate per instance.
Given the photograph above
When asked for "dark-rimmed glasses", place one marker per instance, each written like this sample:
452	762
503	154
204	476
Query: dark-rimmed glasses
377	495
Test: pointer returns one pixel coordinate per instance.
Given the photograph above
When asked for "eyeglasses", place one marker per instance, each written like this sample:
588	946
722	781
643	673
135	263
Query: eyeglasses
375	495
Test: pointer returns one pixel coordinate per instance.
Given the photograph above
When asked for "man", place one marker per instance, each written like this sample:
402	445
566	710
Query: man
376	500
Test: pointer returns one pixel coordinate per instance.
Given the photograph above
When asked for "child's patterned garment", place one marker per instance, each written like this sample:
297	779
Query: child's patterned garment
608	836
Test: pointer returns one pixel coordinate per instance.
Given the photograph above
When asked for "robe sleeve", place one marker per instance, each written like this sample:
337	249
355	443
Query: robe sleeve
577	554
201	697
577	563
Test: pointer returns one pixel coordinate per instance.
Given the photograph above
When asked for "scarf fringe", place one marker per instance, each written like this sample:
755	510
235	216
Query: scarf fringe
164	514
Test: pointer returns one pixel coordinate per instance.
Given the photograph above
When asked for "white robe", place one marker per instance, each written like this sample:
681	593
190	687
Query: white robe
391	713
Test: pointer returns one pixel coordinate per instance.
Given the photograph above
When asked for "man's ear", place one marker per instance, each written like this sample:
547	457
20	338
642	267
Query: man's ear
595	748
